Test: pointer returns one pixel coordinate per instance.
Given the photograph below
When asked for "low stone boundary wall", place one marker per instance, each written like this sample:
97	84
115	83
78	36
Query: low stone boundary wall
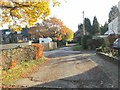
13	45
9	58
49	46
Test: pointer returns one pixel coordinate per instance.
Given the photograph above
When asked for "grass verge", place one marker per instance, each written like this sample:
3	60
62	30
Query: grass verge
21	70
77	48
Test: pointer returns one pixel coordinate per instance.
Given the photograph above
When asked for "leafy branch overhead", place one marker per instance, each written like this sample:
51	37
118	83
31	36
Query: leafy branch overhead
24	12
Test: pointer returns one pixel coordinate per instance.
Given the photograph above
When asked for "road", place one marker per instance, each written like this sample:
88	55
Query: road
73	69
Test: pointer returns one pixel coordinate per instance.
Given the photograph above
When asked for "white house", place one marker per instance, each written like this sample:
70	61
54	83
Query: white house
45	40
119	17
114	25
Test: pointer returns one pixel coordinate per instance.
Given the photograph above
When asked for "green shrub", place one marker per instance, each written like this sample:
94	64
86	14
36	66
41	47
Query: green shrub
77	48
79	39
61	43
106	43
84	41
97	42
106	47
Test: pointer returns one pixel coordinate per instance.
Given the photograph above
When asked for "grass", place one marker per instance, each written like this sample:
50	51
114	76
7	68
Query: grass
77	48
21	70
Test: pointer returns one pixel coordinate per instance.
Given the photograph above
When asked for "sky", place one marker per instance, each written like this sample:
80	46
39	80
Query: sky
71	11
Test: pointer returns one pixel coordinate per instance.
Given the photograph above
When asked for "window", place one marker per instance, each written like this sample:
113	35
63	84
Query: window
42	41
7	33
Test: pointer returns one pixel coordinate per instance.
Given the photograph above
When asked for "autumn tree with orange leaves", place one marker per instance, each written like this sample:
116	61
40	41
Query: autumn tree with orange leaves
53	28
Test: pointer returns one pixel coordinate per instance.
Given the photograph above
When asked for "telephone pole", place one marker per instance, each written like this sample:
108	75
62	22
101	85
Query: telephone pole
83	24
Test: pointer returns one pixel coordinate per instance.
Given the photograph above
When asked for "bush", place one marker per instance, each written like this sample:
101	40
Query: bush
97	42
106	43
84	41
106	46
39	51
79	39
61	43
77	48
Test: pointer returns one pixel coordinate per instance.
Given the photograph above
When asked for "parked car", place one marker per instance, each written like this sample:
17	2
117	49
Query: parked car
116	44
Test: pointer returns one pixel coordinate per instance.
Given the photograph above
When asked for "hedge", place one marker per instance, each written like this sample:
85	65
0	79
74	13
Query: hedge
84	41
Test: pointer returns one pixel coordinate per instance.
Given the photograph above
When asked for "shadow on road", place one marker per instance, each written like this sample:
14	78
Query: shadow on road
88	79
71	69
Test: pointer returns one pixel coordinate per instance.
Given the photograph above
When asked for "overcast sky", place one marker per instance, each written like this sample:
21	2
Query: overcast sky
71	12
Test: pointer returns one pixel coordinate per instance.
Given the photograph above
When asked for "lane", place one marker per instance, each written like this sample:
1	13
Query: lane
71	69
65	51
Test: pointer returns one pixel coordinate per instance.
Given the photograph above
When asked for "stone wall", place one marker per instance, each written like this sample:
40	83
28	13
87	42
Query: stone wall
13	45
49	46
18	55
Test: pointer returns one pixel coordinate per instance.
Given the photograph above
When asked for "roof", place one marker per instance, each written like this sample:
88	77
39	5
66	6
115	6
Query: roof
100	36
109	32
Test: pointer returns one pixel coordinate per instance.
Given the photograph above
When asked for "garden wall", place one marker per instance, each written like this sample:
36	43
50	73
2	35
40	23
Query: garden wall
13	45
49	46
11	57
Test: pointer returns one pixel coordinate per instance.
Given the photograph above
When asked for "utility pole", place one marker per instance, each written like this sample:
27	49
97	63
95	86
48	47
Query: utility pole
83	25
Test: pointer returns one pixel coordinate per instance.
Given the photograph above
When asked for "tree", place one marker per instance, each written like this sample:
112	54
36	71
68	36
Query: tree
80	27
95	27
69	35
24	12
114	12
51	27
79	32
104	28
88	26
57	30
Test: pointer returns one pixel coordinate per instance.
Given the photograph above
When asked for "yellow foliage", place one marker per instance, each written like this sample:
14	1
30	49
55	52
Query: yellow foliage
15	28
32	10
69	36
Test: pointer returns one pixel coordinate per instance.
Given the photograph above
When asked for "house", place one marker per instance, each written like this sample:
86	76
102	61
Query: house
9	36
5	36
114	25
119	17
45	40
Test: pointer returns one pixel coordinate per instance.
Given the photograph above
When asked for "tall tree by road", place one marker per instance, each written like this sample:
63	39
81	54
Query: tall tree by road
114	12
88	26
95	27
104	28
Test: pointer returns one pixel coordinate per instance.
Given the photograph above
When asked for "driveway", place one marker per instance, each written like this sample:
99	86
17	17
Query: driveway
73	69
